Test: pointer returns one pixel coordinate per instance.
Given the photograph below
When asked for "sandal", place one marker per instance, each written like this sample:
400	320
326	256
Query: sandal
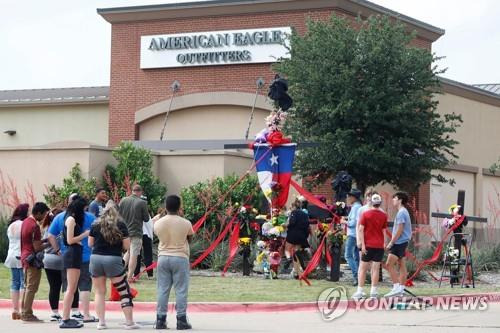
91	319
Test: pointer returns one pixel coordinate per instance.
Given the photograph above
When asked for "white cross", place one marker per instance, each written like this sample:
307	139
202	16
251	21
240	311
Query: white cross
274	159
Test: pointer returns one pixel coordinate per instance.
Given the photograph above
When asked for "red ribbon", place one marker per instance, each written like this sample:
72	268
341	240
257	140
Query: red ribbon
233	246
314	261
202	220
215	243
309	196
437	251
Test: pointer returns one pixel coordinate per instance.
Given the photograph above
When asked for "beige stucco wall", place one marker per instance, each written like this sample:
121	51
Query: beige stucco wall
479	135
38	125
204	122
491	200
43	166
181	169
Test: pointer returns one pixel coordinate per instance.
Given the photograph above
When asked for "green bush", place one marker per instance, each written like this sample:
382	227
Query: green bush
4	241
486	258
75	183
134	166
200	197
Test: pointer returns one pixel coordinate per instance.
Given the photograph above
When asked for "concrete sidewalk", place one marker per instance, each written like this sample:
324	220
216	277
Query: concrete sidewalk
353	321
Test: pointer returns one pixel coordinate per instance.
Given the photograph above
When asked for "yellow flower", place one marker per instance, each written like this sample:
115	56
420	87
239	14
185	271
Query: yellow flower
280	228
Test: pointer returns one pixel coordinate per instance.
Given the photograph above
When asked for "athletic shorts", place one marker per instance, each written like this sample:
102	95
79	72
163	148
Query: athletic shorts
107	266
85	280
372	254
399	250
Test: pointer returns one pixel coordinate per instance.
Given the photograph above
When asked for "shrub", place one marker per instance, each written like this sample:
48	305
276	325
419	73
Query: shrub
134	166
197	199
486	258
75	183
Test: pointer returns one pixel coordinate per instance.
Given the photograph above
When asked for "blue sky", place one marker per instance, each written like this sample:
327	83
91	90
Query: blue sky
64	43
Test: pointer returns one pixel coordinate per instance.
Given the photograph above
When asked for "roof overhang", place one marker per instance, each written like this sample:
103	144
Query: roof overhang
238	7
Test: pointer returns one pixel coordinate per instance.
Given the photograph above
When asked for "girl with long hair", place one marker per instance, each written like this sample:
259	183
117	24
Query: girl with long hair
109	238
13	257
72	258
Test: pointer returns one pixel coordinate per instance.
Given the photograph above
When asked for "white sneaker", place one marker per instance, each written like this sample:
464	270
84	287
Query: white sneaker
101	326
374	295
395	292
358	295
133	326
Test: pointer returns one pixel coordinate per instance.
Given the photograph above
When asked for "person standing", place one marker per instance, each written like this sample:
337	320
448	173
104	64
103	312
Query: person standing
351	250
73	235
56	230
134	211
31	243
108	237
174	234
147	248
401	235
296	235
373	224
12	261
97	205
53	265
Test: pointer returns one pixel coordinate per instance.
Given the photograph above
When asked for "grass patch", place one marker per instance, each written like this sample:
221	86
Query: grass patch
247	289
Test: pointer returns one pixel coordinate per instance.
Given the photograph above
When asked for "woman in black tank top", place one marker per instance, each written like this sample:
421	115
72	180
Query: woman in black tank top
72	237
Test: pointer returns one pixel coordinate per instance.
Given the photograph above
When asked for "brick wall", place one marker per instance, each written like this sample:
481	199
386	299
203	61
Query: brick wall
132	88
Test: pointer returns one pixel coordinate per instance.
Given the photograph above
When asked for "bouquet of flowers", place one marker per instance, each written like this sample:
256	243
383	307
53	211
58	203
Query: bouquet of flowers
336	236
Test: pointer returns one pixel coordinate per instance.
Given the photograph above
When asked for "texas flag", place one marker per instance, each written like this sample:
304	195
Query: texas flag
274	170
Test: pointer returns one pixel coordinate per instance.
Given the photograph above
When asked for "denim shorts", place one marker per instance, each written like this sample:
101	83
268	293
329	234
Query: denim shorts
17	279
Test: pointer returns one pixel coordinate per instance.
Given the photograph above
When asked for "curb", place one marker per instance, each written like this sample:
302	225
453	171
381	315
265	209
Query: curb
257	306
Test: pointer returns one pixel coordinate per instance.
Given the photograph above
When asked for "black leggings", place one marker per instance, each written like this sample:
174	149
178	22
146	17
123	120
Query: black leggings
55	285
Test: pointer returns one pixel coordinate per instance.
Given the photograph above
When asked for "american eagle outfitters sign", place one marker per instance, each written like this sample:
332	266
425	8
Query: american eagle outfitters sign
262	45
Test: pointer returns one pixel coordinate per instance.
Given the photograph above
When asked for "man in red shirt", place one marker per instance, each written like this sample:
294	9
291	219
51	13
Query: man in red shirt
372	227
31	242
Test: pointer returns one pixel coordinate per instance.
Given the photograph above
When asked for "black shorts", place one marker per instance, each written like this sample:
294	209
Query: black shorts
399	250
85	280
372	254
72	257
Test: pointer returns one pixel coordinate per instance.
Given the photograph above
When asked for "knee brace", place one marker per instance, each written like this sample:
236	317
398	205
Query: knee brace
123	289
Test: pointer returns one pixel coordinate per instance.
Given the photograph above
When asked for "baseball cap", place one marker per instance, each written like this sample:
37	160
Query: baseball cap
376	199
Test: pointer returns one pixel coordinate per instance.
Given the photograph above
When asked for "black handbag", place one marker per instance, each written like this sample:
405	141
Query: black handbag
35	260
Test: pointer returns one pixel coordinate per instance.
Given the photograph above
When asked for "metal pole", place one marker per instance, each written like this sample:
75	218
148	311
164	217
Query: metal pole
260	84
175	87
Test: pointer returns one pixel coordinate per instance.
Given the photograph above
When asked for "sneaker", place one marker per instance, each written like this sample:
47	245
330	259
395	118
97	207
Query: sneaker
358	295
395	292
77	316
101	326
55	317
374	295
31	319
132	326
70	323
